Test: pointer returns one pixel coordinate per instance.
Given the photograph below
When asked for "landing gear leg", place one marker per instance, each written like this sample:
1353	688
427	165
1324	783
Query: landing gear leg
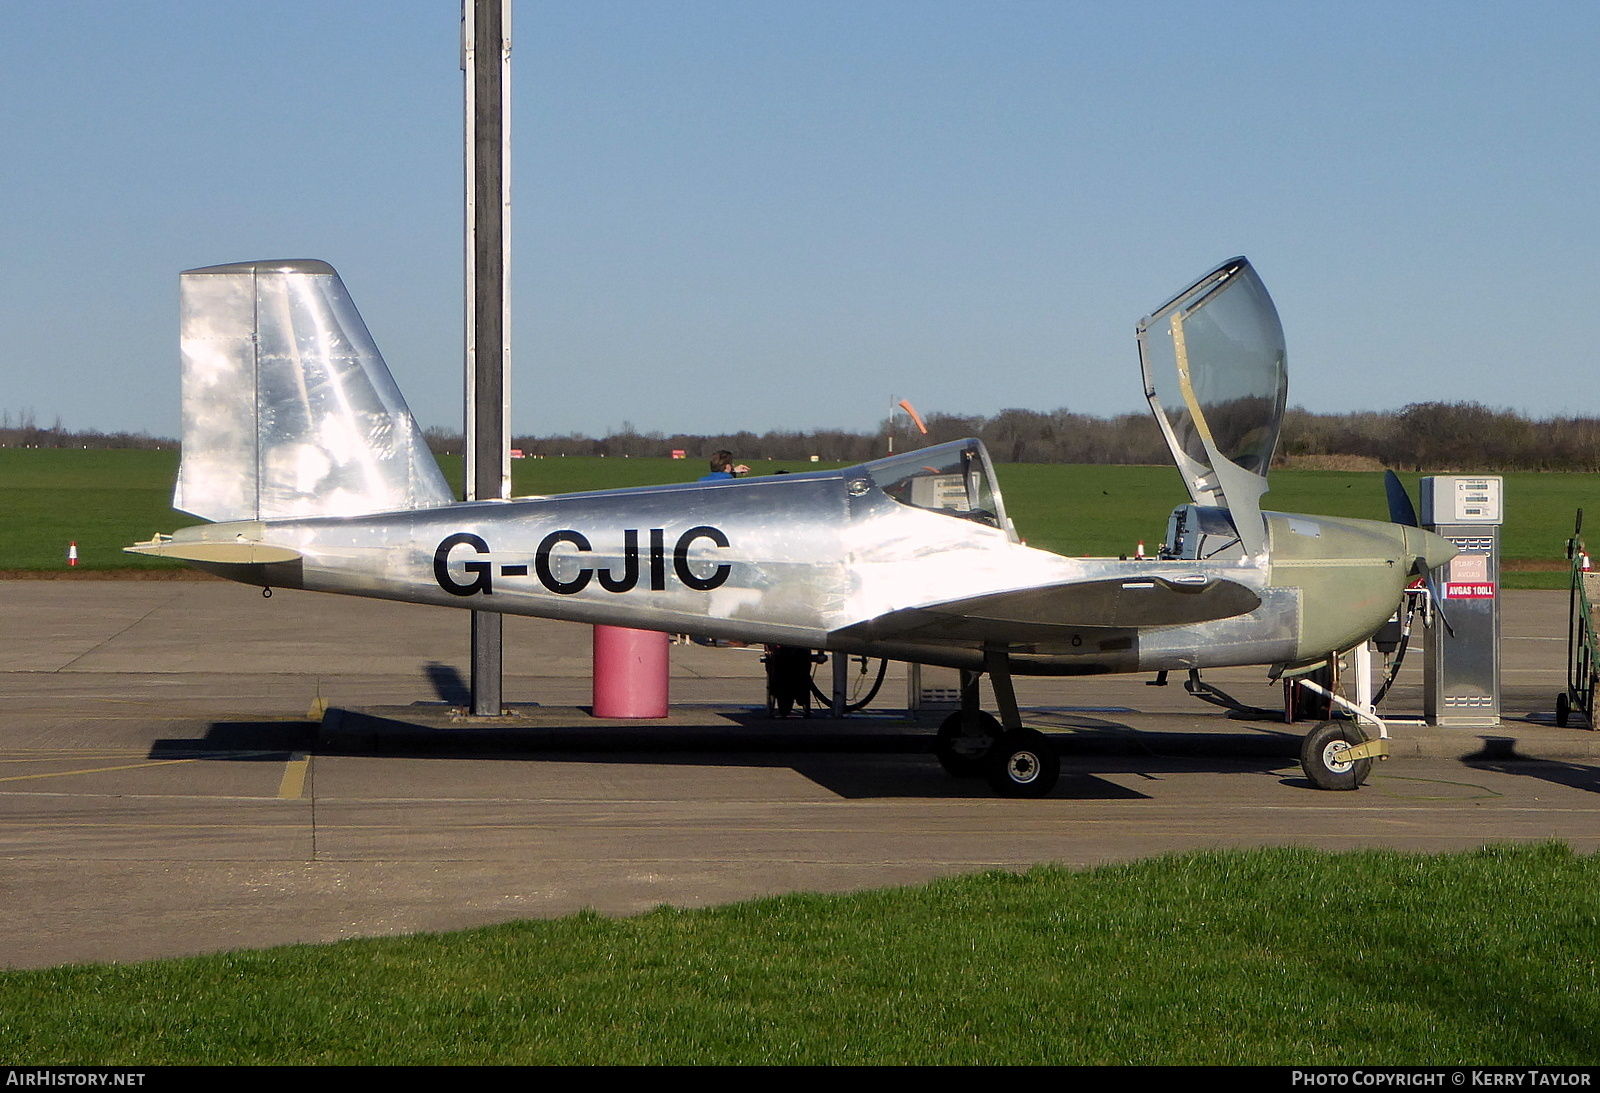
998	664
1023	762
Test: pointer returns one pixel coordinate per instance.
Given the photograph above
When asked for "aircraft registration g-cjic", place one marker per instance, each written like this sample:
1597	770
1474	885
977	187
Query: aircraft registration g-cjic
299	448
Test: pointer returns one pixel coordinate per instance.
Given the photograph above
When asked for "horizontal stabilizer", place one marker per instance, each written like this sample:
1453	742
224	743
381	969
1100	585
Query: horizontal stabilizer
235	553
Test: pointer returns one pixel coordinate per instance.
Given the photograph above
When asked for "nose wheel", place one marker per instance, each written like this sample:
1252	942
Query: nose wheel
1326	756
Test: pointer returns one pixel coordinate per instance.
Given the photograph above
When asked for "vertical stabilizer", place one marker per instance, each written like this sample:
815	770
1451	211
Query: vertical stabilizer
288	408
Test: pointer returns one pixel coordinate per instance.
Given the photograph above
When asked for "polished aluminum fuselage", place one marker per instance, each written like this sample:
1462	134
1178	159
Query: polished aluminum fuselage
829	561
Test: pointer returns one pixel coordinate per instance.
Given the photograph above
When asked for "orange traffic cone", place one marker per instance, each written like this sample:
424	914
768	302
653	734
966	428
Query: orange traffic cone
72	552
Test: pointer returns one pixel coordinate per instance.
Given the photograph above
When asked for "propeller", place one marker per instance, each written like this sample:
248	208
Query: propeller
1402	511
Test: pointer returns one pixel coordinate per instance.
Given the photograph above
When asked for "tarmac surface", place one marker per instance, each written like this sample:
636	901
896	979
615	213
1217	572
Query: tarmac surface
166	788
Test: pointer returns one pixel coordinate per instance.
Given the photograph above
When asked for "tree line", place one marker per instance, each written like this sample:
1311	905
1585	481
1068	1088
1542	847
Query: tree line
1424	436
24	432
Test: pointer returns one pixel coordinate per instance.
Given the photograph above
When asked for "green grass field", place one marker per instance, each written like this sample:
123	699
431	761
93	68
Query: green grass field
1275	956
105	500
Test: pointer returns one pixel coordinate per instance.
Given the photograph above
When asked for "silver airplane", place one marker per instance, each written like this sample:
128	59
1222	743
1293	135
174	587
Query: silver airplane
301	452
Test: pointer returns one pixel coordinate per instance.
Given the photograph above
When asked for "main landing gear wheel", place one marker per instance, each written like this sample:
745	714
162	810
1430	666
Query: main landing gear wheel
1023	763
1321	760
964	742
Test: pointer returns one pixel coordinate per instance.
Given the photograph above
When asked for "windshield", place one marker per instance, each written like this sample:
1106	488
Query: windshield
954	479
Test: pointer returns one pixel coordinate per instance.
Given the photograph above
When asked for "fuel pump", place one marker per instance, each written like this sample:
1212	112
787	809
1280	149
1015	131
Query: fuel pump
1461	678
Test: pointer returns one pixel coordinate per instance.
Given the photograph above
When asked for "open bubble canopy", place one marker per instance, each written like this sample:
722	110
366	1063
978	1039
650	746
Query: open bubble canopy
1216	375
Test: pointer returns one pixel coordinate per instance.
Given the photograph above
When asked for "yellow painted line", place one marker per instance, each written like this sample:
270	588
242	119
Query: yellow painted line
292	788
61	757
95	770
125	766
52	825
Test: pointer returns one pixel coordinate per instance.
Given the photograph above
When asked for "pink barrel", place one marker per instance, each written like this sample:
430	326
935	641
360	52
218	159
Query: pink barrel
630	672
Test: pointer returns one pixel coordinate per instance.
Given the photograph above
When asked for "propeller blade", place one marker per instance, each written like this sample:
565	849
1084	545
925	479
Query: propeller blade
1401	511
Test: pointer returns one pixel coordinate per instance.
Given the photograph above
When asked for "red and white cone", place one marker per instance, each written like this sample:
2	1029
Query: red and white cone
1140	552
72	552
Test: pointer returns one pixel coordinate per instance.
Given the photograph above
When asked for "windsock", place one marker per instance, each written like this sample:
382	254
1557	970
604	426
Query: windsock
916	417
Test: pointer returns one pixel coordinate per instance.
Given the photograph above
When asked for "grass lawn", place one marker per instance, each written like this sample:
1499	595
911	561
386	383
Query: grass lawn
1274	956
105	500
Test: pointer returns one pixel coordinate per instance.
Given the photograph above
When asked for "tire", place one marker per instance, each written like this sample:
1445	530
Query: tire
1563	709
1023	763
1316	757
964	743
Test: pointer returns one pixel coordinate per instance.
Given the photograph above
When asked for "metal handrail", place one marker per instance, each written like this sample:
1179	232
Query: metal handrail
1583	652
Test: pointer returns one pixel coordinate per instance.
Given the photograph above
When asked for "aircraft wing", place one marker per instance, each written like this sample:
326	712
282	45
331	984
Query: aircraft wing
1060	612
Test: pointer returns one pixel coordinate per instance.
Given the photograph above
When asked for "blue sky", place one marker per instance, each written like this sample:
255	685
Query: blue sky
777	215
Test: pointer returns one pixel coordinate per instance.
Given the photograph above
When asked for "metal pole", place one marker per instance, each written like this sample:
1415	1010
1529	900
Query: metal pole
486	60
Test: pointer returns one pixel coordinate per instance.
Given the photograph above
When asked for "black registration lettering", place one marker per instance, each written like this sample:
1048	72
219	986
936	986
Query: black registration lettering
545	560
630	565
680	559
658	560
441	566
541	563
